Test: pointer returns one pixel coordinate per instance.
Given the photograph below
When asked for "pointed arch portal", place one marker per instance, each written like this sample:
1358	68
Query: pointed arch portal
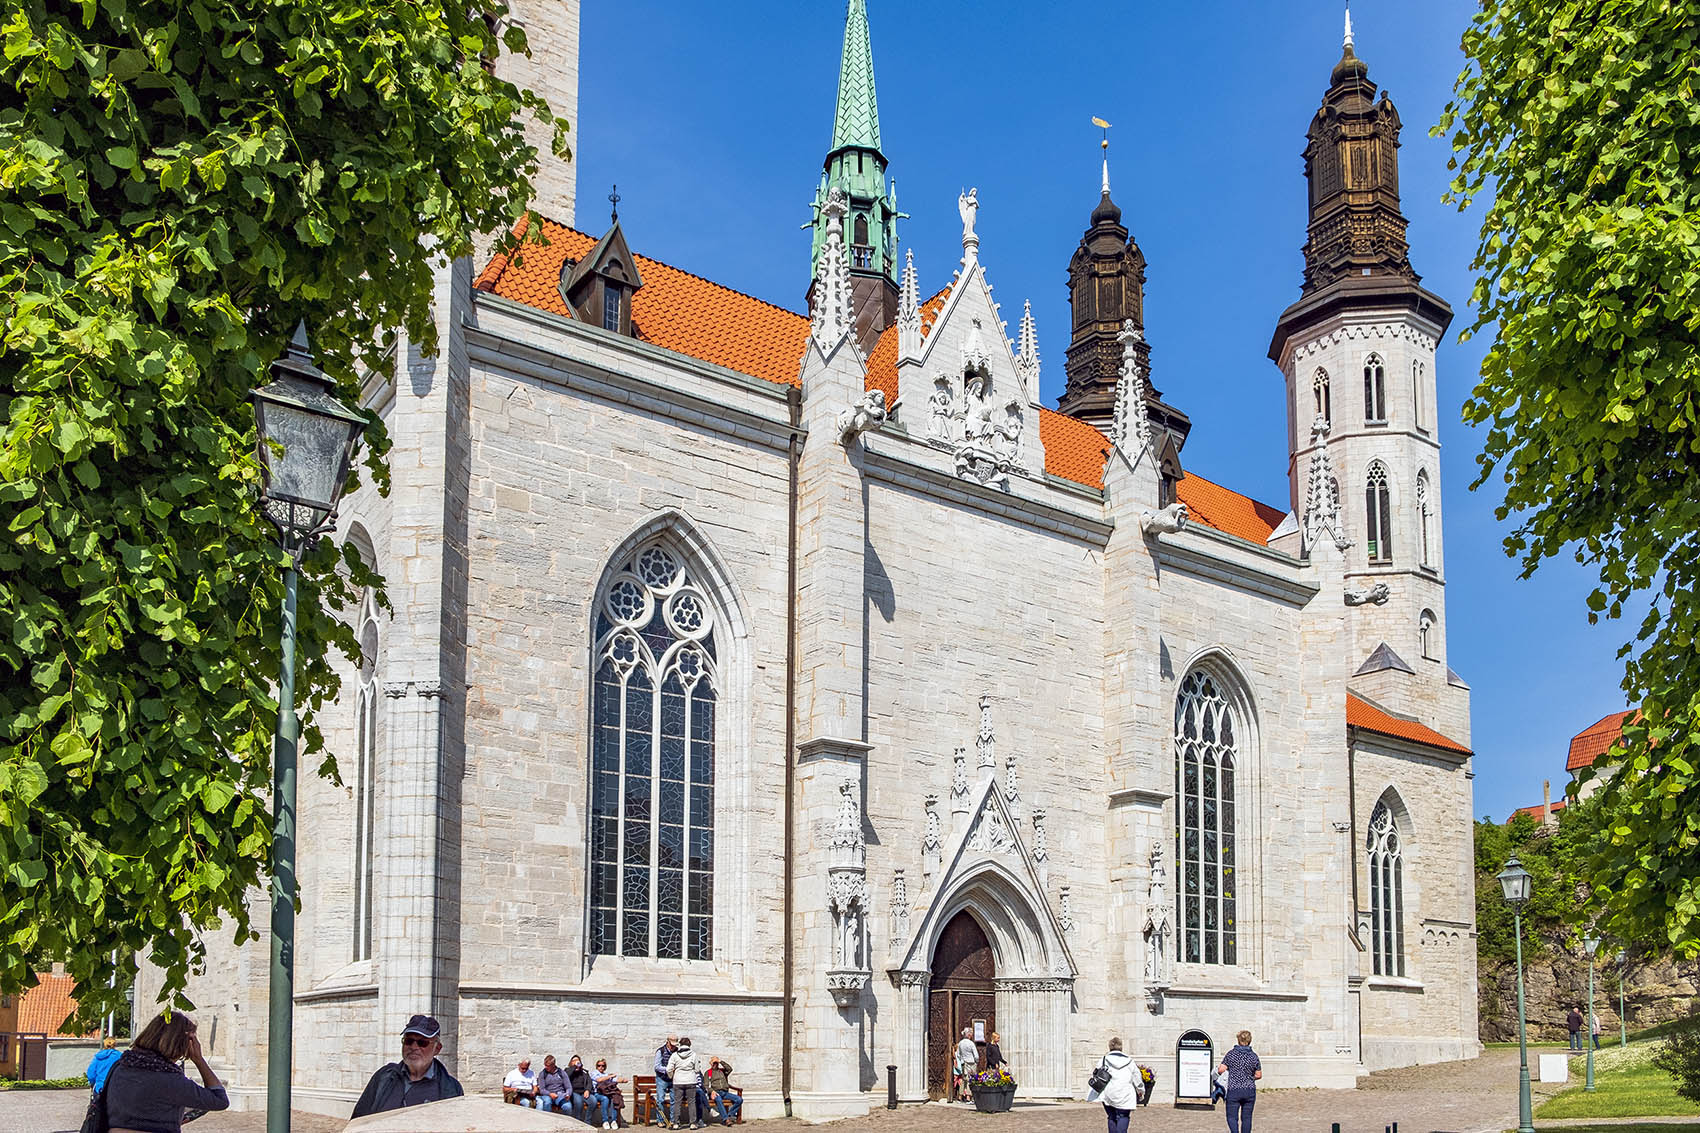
962	991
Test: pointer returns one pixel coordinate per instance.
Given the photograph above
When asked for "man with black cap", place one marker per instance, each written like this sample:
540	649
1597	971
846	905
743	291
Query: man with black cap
417	1079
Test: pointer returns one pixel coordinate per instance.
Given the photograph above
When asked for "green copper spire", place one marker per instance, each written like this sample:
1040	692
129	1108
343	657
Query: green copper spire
857	122
856	166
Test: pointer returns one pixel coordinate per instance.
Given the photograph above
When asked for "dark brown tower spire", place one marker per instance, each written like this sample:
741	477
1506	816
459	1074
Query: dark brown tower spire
1106	285
1352	164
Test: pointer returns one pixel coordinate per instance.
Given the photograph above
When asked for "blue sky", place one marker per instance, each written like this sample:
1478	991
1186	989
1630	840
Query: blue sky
714	118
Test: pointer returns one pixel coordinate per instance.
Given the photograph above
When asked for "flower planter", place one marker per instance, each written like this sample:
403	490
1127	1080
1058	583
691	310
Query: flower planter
993	1099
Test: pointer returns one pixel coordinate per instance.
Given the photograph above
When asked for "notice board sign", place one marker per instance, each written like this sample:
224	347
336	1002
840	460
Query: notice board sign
1195	1061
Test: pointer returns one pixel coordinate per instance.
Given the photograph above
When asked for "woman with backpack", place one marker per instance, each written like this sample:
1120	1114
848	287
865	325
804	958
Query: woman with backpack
1115	1083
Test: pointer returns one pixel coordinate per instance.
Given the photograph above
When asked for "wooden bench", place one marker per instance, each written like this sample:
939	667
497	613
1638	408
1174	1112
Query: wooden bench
644	1104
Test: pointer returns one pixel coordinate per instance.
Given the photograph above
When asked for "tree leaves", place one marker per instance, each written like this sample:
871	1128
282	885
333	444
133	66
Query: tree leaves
1582	122
179	184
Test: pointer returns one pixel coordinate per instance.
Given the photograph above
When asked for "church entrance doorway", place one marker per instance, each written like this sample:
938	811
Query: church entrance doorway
960	995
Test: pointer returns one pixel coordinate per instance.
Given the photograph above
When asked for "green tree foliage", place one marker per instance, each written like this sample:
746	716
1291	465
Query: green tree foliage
1582	123
179	183
1679	1056
1557	859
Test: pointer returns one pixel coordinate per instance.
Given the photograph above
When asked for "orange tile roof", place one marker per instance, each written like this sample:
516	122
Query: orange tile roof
1596	739
1362	714
1534	812
673	309
1215	506
44	1007
685	313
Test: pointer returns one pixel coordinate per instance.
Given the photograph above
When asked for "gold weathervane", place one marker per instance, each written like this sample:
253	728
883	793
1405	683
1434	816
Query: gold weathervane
1104	126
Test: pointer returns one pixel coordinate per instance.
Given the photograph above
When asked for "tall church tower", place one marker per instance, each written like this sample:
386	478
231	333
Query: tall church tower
1357	350
856	165
1106	286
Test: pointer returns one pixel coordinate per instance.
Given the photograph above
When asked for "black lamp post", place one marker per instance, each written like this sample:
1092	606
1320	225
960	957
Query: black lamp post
1517	884
306	443
1592	943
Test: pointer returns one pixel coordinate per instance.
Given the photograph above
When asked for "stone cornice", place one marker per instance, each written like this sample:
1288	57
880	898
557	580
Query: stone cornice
1262	571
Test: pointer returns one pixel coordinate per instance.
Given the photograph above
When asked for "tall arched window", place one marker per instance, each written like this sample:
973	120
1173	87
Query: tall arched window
1205	758
1386	893
1417	396
1324	399
1375	390
652	762
1425	633
1423	518
365	777
1378	509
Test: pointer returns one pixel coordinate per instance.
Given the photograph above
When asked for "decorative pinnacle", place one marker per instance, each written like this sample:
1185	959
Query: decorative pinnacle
1027	343
909	310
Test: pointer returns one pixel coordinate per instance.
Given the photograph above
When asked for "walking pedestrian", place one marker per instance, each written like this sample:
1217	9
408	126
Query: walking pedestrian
1120	1093
664	1080
1573	1024
147	1090
967	1061
1594	1028
1243	1068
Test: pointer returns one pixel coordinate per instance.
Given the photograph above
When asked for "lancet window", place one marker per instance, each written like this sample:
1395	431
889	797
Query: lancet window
1378	510
1423	509
1206	735
1375	390
1386	893
1417	410
653	716
1324	398
365	777
1425	633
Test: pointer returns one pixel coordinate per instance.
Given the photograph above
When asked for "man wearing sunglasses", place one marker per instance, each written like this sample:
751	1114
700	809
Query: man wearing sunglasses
417	1079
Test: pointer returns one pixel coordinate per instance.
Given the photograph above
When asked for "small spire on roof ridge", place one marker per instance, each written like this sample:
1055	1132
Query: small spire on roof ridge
909	311
614	206
1027	344
1347	44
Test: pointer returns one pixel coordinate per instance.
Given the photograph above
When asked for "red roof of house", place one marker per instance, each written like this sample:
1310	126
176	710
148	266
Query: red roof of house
1362	714
1595	740
1534	812
688	314
44	1007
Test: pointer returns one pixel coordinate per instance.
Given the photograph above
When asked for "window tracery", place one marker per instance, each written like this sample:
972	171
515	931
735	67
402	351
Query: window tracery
1205	762
1324	398
1423	510
1378	511
653	717
1375	390
1386	893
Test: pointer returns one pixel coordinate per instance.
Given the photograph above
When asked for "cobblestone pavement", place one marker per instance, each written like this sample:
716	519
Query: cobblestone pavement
1478	1096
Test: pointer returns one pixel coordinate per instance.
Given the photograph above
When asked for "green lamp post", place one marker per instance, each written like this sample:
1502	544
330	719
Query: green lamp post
1592	943
1517	884
306	443
1622	1019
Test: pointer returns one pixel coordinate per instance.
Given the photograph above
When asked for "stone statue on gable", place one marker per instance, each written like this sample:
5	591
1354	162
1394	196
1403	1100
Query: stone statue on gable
968	205
941	407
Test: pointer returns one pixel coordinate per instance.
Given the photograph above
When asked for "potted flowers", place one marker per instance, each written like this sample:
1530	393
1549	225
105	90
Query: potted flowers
994	1090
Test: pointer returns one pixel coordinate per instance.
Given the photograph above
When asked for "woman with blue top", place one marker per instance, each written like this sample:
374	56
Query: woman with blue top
1243	1069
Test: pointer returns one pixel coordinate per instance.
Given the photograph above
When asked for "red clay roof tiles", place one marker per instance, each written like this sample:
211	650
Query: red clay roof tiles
1595	740
1215	506
44	1007
1362	714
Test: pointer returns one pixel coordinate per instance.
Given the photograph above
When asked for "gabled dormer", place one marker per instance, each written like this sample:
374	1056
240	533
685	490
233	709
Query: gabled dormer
599	288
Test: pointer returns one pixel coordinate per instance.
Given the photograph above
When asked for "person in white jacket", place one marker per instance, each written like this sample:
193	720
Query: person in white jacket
1121	1095
686	1071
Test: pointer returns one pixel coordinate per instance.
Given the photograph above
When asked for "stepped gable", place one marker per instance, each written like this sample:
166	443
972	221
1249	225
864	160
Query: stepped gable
1363	715
690	315
673	309
1209	503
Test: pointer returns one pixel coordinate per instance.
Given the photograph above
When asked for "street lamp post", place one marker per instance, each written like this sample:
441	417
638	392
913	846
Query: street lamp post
1517	884
306	443
1622	1019
1592	943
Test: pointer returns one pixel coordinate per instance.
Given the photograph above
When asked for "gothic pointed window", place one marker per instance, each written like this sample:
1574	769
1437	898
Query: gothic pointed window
653	711
1324	398
1378	510
365	777
1425	634
1386	893
1205	765
1423	510
1417	375
1375	390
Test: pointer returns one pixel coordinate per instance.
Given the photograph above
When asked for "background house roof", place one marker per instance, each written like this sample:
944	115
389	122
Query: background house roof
1596	739
44	1007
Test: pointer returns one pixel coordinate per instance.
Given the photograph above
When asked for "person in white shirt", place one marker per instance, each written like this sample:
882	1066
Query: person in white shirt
967	1061
1121	1094
520	1086
686	1071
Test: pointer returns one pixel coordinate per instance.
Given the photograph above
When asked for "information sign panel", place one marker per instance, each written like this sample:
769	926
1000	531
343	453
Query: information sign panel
1195	1061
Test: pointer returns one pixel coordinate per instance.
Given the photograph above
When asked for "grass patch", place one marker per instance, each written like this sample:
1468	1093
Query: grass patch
1631	1089
44	1084
1635	1127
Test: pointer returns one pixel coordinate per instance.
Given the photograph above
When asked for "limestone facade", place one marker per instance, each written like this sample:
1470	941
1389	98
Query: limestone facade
948	653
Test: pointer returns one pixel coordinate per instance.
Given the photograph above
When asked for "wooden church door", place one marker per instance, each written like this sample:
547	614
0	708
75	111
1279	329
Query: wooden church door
960	993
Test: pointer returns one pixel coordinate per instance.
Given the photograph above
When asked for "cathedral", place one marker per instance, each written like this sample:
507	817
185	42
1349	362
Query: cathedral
797	681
